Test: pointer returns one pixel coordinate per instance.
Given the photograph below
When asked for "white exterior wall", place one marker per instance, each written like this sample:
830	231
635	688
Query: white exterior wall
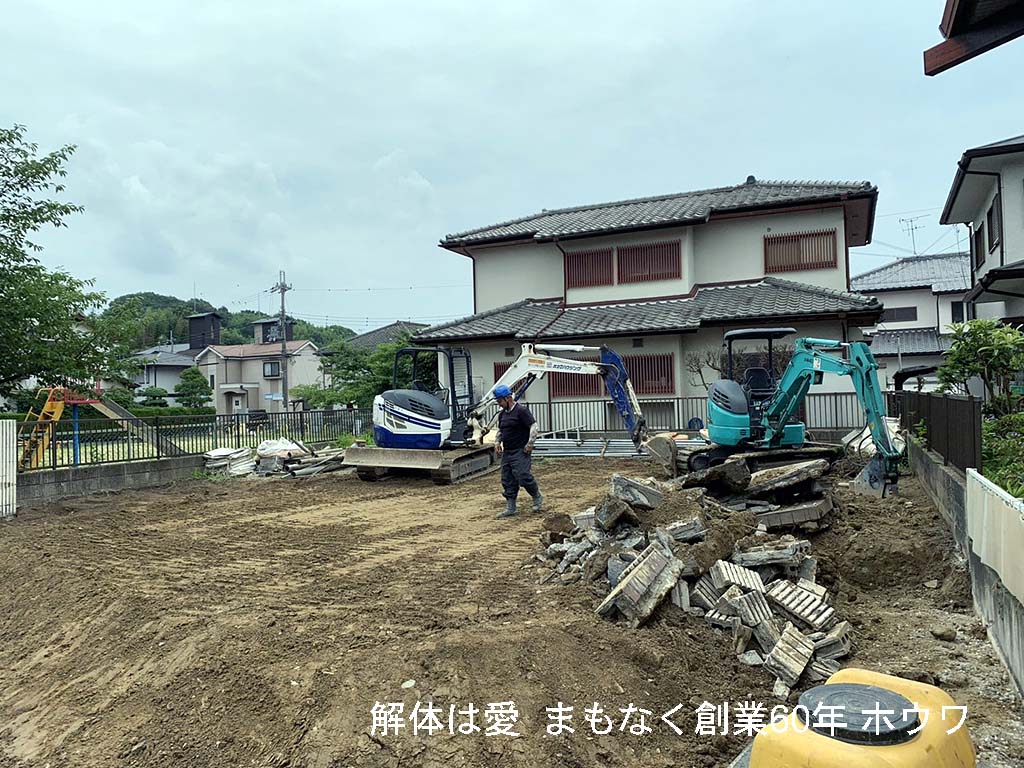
945	302
163	376
733	249
722	251
515	272
923	299
1013	213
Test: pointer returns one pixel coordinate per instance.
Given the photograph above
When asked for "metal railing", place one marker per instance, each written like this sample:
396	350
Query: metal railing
949	425
100	441
66	443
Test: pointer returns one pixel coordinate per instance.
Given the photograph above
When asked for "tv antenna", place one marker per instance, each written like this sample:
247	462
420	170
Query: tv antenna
909	226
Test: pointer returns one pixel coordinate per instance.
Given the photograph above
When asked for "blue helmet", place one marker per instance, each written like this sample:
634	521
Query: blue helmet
502	391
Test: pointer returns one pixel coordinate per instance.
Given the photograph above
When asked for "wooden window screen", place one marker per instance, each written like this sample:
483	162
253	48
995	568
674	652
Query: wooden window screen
650	261
651	374
800	250
995	224
588	268
576	384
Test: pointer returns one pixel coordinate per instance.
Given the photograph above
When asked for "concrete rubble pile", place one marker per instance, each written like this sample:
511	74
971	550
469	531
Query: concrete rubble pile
281	457
763	593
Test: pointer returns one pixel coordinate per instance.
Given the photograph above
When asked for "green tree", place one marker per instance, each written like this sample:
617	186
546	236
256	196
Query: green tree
360	375
193	390
154	397
990	351
120	395
50	327
317	396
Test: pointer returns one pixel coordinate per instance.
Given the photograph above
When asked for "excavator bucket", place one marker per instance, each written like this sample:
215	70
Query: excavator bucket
664	450
872	480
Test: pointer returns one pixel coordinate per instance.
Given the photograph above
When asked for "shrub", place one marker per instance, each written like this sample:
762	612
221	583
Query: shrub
1002	452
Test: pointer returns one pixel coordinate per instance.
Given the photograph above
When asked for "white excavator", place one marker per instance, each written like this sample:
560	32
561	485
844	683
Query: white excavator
436	425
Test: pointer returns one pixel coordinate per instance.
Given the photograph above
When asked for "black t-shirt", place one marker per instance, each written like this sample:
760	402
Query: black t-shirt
514	427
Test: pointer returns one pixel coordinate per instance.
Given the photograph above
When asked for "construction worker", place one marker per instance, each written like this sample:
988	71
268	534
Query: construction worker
517	431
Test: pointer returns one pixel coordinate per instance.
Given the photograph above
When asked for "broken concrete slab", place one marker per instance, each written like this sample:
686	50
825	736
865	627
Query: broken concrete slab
610	511
730	476
808	569
723	574
721	620
687	531
636	493
781	691
800	606
574	553
758	460
796	514
557	550
790	656
616	566
724	604
814	588
741	638
752	608
784	552
751	658
769	481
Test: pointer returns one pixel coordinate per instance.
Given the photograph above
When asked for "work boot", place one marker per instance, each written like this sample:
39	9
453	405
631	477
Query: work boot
510	509
538	501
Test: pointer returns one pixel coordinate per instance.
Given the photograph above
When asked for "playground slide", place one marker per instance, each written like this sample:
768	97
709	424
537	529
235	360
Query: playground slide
137	427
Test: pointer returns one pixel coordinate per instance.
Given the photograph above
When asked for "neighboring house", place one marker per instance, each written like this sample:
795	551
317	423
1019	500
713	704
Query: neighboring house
268	330
988	196
162	365
972	28
389	334
660	279
247	377
922	296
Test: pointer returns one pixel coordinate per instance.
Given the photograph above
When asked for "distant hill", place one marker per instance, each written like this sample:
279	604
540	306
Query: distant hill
162	317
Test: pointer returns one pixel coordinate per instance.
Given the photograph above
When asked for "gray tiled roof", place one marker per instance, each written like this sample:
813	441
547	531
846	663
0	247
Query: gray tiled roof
942	272
388	334
685	207
763	299
165	358
916	341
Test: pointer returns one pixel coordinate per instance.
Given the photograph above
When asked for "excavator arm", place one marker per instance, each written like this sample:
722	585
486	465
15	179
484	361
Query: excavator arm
810	362
535	362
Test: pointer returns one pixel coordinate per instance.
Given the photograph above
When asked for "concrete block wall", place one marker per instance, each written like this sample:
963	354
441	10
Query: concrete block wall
1001	610
49	485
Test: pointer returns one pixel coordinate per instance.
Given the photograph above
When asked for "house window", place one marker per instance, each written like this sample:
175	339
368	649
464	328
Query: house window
509	352
957	308
650	261
588	268
212	385
800	250
899	315
272	369
575	384
979	246
637	343
995	223
651	374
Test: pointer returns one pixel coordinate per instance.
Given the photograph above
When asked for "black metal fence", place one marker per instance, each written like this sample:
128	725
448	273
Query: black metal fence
66	443
49	445
950	425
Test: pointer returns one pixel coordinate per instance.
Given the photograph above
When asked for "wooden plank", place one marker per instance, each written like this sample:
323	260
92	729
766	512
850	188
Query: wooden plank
960	48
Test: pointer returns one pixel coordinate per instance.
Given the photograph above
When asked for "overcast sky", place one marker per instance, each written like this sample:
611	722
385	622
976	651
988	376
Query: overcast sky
222	141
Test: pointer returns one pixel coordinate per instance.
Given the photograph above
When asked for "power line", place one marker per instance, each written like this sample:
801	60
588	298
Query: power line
387	288
902	213
894	247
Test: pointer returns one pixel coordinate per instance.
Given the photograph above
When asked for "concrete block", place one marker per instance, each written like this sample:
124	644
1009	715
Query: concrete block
751	658
615	568
819	670
813	588
770	481
767	634
610	511
752	608
836	643
681	595
725	602
731	476
808	569
800	606
687	531
721	620
643	584
741	638
788	553
724	574
586	518
790	656
705	594
797	514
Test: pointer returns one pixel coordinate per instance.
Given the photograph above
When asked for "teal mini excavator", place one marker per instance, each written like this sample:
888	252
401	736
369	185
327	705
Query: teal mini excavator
758	412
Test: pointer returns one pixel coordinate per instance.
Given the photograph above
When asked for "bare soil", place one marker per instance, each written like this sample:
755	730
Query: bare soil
256	622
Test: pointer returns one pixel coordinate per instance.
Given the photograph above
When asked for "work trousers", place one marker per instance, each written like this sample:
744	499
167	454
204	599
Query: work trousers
516	474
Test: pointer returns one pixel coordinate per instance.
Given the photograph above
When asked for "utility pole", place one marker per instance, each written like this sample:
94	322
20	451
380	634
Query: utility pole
282	328
910	227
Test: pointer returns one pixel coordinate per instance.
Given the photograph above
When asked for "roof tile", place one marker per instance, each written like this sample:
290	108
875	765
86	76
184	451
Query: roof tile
942	272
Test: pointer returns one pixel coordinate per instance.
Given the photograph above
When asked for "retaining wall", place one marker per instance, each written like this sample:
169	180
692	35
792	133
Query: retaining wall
48	485
997	606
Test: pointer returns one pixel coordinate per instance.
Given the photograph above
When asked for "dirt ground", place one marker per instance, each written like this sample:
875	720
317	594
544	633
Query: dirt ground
255	622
